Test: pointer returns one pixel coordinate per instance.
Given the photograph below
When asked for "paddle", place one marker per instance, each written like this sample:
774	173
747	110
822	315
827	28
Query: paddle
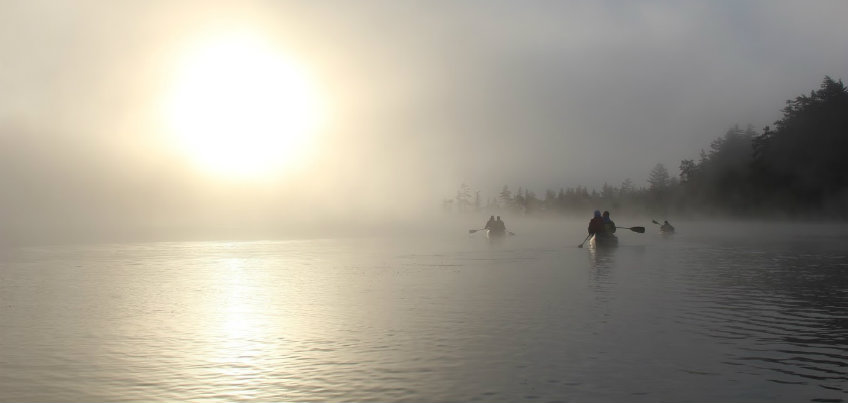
584	241
640	230
471	231
655	222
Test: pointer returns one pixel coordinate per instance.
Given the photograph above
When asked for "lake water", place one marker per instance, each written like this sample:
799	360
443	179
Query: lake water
718	312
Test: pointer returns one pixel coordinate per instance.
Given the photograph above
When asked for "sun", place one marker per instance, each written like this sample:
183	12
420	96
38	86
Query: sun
238	107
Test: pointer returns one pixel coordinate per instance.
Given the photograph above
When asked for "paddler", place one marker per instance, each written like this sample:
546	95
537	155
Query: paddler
596	224
609	225
490	225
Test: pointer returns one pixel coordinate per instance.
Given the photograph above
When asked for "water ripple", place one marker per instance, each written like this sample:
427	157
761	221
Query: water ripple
679	319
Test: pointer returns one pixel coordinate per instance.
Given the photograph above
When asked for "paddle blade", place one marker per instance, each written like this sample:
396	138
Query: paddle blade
584	241
471	231
640	230
655	222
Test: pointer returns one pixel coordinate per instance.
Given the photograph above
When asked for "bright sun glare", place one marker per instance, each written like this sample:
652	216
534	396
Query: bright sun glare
239	108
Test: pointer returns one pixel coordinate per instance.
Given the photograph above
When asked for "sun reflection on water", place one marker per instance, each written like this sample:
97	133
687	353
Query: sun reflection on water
241	328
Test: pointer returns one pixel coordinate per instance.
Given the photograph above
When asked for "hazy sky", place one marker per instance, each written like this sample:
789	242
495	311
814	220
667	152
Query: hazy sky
415	98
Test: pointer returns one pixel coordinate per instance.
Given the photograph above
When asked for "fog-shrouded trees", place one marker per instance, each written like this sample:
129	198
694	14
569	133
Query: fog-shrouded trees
658	178
801	165
798	168
720	180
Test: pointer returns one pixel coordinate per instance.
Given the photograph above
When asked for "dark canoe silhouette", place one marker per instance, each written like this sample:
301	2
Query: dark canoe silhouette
495	235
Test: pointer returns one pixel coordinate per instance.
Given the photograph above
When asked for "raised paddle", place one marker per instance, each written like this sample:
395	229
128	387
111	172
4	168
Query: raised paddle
655	222
640	230
584	241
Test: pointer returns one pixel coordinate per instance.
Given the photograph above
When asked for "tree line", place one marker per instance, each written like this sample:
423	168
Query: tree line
797	168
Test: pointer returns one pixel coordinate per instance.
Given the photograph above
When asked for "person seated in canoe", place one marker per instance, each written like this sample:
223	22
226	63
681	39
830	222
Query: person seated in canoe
596	224
499	227
666	227
490	224
609	225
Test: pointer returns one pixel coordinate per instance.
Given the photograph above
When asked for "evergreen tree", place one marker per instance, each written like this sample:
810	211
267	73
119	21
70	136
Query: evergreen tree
626	188
506	197
463	197
658	178
801	164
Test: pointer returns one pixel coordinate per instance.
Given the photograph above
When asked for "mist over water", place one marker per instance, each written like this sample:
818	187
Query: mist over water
720	311
284	201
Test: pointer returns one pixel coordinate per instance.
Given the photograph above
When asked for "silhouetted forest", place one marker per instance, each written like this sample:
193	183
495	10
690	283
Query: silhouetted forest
795	169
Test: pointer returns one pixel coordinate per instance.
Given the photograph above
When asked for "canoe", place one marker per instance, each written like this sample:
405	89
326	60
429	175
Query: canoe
603	241
494	235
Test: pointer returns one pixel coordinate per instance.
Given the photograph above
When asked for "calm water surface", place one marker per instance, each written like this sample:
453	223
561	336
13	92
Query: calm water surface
718	312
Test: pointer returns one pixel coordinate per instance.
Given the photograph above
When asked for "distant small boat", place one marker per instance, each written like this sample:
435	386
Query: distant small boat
665	227
603	240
